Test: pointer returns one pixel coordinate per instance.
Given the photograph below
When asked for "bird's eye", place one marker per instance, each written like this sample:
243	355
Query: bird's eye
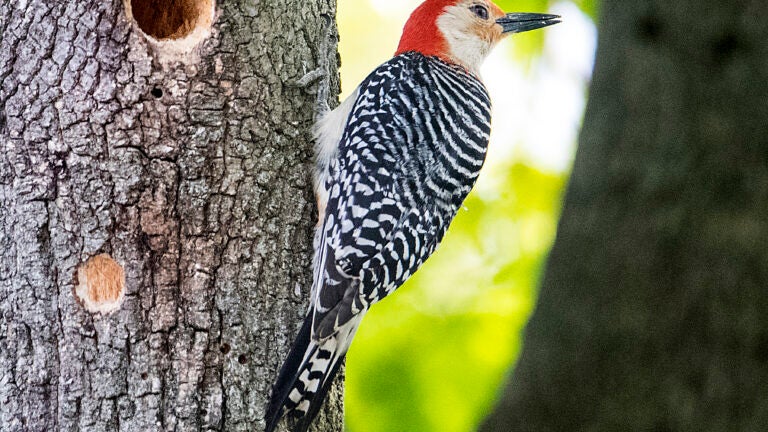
480	11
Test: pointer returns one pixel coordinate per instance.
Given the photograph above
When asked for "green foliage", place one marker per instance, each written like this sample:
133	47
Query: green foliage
526	47
532	42
432	357
589	7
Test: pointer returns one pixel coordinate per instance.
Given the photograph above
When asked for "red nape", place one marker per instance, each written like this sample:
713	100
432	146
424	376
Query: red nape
421	33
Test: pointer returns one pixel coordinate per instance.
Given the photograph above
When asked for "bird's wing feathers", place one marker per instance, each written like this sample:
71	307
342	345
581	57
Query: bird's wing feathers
376	224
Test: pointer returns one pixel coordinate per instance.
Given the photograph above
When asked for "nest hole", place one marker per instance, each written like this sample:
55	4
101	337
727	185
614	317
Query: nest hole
170	19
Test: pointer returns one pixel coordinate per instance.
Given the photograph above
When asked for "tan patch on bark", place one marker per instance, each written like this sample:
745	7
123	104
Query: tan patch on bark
101	284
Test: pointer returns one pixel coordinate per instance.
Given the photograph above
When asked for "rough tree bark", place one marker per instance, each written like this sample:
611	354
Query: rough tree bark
653	314
171	179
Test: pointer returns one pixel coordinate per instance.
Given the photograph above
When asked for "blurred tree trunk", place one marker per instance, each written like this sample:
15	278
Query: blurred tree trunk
653	313
186	165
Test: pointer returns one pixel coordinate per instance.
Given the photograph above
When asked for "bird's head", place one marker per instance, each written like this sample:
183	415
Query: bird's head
464	31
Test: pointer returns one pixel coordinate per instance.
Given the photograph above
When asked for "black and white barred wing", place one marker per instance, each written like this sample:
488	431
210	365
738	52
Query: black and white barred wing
414	143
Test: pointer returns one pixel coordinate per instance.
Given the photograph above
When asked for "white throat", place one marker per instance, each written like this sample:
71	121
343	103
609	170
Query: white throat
466	47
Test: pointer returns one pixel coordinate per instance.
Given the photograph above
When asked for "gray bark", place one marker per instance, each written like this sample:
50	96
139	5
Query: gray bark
192	172
653	314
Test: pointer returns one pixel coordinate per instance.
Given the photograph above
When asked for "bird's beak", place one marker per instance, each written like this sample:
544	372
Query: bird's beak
521	22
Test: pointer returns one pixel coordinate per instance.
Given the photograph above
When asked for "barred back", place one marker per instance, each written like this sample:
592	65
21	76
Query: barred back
413	147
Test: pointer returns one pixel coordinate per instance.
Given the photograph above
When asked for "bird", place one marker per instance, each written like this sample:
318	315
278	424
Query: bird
394	163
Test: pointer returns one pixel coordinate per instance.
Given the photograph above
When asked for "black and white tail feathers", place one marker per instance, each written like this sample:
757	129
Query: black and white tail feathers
307	374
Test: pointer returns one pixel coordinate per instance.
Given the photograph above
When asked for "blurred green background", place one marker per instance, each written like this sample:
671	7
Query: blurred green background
433	356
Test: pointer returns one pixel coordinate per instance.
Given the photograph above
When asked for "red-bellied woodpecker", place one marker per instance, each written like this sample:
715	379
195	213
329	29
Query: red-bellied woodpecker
394	164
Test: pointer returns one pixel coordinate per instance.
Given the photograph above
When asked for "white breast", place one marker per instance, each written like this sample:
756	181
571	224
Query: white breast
328	132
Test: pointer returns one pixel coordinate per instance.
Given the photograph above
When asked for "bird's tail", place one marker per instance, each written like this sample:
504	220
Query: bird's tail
307	374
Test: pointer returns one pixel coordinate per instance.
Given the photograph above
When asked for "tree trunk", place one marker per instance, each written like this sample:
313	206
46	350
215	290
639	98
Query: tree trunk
653	314
156	208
